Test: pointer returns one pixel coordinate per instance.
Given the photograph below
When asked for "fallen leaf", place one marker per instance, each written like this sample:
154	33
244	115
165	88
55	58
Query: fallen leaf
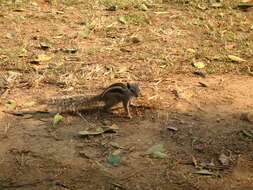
117	152
122	20
204	172
122	70
69	8
216	5
224	160
135	39
245	5
194	161
9	36
34	4
189	50
236	59
12	104
14	74
114	160
113	128
87	133
116	145
161	13
156	151
68	50
27	116
155	148
58	37
112	8
83	153
59	12
125	50
199	65
202	7
143	7
28	104
185	95
44	46
158	155
19	10
42	57
45	119
204	84
85	33
172	128
246	133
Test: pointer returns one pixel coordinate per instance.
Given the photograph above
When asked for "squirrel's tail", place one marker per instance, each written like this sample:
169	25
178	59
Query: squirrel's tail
71	103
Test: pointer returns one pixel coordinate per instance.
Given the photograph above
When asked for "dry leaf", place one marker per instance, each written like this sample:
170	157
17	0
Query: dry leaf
194	161
236	59
199	65
42	57
225	160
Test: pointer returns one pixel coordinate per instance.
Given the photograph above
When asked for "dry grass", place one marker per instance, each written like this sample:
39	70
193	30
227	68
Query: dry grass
166	38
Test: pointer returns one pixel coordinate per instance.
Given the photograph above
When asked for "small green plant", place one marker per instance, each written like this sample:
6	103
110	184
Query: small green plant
57	119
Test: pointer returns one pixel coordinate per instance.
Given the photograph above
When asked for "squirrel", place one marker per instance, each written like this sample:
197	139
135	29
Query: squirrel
112	95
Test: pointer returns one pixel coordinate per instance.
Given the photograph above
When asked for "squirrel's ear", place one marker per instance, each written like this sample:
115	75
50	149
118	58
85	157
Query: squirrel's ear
128	85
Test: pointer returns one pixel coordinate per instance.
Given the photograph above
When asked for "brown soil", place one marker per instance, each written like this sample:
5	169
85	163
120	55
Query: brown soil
35	155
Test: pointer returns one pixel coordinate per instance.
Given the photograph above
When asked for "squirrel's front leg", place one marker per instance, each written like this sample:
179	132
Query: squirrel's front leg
126	107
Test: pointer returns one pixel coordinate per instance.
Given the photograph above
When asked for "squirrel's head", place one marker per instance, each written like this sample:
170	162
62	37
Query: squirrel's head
134	88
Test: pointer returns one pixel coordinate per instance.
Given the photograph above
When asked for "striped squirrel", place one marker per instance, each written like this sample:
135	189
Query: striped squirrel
112	95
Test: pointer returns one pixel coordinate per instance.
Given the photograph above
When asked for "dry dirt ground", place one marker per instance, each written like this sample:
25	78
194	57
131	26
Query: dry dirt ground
56	48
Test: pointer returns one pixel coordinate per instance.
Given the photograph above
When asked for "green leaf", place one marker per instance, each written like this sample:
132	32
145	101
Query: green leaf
28	104
114	160
158	155
67	50
155	148
122	70
156	151
34	4
251	27
100	130
12	105
69	8
57	119
143	7
122	20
